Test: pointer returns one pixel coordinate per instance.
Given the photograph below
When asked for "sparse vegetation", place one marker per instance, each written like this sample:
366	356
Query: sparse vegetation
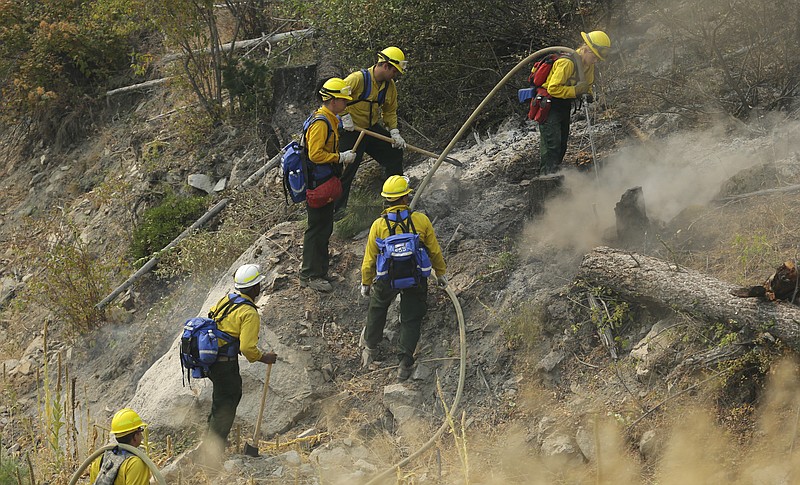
522	325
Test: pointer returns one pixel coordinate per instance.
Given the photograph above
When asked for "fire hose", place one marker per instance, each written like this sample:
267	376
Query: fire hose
136	451
459	313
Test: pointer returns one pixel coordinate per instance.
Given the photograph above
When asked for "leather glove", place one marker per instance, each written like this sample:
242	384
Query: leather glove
347	157
581	88
269	358
589	98
365	290
442	281
397	140
347	122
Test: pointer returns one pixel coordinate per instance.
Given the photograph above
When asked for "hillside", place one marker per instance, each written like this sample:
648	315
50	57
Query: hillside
567	381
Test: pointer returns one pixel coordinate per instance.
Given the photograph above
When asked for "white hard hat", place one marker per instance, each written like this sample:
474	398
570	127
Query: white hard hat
247	275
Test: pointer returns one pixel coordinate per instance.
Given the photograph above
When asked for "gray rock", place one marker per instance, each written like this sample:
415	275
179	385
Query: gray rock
202	182
561	445
649	445
220	185
550	361
584	438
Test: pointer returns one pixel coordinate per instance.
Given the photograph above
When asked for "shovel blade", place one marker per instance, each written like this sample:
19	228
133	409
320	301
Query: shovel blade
250	450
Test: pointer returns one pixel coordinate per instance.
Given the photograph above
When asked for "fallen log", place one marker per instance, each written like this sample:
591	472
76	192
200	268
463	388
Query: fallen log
242	44
637	277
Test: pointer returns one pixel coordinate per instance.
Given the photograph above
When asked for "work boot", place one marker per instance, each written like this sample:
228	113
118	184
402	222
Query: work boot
368	356
406	368
318	284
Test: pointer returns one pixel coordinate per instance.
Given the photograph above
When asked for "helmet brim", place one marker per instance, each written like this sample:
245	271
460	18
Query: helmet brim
591	46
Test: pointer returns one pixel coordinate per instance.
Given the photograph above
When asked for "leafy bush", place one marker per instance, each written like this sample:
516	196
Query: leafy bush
72	280
51	52
163	223
457	51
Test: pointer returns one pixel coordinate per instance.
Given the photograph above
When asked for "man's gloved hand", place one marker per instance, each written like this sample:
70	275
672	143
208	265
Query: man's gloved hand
269	358
365	291
397	140
442	281
347	122
589	98
347	157
581	88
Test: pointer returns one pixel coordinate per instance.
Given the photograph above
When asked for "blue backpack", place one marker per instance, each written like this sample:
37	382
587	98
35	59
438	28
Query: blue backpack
300	174
402	258
200	339
368	90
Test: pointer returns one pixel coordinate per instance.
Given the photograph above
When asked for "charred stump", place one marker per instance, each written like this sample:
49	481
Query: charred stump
783	284
540	190
632	221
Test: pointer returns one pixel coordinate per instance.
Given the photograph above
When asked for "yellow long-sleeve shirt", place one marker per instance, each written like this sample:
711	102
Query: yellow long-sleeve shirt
379	229
562	79
133	471
321	148
366	114
243	322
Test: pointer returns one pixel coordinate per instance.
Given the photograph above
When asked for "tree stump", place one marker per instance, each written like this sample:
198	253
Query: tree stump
632	221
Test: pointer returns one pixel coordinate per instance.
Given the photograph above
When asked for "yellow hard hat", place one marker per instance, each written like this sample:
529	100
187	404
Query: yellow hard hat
598	42
125	421
395	187
335	88
394	56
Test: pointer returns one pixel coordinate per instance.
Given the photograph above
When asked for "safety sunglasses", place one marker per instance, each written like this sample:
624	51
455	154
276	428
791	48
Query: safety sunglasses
401	64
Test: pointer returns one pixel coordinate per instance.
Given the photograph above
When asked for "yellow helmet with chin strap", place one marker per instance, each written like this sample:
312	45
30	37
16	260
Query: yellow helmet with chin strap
394	56
395	187
335	88
598	42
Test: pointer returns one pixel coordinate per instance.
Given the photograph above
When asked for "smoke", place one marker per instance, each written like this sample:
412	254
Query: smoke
684	170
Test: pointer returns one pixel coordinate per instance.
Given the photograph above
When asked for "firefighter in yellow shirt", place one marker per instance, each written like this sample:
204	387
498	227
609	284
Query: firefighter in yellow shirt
563	87
374	107
396	219
322	144
236	315
117	466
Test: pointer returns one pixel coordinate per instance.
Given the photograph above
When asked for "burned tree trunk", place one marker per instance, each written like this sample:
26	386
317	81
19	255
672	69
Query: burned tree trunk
632	221
635	276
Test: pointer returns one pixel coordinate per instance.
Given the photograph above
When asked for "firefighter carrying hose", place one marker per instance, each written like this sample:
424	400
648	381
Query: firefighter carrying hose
551	108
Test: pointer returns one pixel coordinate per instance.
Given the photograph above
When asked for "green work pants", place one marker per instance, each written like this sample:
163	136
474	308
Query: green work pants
315	242
554	133
225	397
391	159
413	307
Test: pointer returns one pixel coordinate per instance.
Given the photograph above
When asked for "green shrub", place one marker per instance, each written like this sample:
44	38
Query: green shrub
164	222
362	209
11	471
446	78
54	52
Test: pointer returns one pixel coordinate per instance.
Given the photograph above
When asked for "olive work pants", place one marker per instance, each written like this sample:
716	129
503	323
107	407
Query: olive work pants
391	159
413	307
225	397
315	242
553	136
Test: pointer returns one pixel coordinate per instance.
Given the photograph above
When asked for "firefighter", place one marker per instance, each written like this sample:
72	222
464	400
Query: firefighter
397	218
243	323
374	107
322	142
563	88
117	466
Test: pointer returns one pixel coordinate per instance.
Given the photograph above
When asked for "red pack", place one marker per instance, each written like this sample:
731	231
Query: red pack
325	193
541	69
